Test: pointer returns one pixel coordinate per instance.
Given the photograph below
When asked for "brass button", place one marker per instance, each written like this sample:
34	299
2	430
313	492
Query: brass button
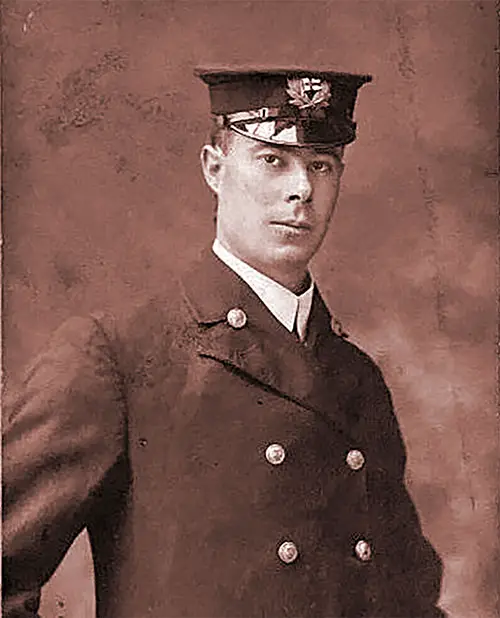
288	552
355	459
275	454
236	318
363	550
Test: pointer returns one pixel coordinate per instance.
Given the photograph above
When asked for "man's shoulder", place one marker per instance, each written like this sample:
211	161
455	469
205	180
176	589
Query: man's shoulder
146	321
145	314
339	347
357	358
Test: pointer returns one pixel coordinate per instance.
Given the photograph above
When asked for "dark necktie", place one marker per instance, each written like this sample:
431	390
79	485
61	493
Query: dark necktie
295	330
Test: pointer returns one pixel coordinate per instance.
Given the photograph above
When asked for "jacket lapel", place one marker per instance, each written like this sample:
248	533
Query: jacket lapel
263	349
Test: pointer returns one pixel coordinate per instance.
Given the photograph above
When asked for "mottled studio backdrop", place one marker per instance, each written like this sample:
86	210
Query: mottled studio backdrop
103	122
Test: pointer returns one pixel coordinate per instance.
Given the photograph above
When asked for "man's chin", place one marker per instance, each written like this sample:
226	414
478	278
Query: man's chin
289	257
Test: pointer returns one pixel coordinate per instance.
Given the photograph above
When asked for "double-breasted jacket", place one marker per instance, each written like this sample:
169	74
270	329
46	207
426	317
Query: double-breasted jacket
222	468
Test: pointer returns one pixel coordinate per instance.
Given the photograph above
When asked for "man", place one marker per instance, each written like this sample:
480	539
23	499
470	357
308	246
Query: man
229	453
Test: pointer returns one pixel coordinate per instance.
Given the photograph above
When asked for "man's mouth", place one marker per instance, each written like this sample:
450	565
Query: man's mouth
292	224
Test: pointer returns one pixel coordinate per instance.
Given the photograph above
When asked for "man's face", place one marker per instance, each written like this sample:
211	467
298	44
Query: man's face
274	202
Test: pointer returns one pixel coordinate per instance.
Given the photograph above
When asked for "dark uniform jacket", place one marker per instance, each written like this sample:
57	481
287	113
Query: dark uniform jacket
152	432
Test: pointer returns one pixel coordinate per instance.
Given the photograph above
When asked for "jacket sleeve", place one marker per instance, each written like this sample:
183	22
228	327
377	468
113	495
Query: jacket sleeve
408	569
63	433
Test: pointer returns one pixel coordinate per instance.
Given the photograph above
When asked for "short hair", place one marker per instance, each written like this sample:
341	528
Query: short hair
220	134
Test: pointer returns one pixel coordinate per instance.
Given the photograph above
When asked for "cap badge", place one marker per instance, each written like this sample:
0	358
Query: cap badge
308	93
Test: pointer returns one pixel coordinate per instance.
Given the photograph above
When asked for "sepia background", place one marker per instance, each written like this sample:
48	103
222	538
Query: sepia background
103	196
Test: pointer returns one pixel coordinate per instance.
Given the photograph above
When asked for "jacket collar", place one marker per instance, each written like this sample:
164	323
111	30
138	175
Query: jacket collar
312	375
212	289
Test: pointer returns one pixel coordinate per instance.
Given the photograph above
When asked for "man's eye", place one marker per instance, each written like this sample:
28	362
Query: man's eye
273	160
321	167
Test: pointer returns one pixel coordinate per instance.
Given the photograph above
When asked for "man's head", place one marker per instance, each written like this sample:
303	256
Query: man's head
274	202
275	163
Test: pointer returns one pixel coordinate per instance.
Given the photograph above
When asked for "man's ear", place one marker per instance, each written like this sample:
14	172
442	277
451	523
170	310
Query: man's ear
211	158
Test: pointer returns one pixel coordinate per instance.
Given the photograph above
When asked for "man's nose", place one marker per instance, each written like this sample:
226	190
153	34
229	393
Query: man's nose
299	188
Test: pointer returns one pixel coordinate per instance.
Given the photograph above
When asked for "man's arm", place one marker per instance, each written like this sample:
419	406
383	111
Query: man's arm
409	570
63	434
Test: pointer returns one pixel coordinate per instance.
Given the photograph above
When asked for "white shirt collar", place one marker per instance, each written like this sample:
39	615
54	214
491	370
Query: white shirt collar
281	302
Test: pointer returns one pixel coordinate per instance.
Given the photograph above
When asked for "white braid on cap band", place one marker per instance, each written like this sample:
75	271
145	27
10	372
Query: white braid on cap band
254	114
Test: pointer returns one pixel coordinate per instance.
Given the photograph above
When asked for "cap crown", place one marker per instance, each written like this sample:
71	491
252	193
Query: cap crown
295	107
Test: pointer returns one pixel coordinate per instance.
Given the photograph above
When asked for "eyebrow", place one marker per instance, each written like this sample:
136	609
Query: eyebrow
331	152
265	146
281	148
